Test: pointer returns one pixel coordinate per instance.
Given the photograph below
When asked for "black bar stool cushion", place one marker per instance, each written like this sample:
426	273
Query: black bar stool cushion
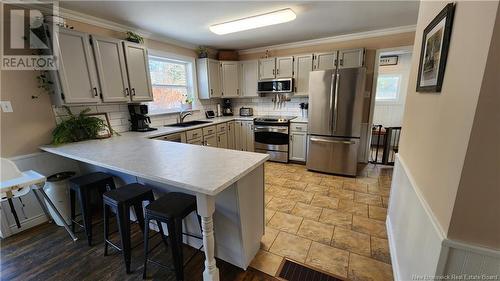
89	179
171	206
126	193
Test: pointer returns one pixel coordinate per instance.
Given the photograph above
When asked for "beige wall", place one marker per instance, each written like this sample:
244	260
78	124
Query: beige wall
476	213
31	123
437	126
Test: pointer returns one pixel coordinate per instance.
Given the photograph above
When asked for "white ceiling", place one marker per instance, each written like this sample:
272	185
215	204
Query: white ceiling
188	21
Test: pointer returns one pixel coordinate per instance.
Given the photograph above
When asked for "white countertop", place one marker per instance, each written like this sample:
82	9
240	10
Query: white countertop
299	119
202	169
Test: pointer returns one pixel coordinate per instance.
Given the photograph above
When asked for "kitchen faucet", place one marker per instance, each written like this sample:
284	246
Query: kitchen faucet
184	114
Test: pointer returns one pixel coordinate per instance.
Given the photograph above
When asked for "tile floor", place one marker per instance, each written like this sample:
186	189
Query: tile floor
332	223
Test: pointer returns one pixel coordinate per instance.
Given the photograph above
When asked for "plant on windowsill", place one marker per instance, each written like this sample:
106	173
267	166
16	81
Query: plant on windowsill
79	127
134	37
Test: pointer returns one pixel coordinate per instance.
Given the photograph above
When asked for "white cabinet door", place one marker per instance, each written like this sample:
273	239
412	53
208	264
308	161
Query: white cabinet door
298	146
198	141
214	80
222	140
324	61
351	58
111	68
267	68
230	79
77	72
239	136
284	67
136	56
230	135
249	76
210	140
248	132
303	66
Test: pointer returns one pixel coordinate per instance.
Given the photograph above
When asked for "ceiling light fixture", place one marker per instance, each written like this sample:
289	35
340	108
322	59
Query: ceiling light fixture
276	17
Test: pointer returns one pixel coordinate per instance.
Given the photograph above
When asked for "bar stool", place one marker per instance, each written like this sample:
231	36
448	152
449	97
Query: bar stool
171	209
119	201
83	186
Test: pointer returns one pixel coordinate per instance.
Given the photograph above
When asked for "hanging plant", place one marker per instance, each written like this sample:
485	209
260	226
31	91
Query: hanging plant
79	127
44	83
134	37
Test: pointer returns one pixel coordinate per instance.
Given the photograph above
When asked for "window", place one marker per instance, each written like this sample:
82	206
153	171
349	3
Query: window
388	87
171	81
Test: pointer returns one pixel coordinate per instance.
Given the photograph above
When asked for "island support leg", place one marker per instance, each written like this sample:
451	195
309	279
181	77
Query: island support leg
206	208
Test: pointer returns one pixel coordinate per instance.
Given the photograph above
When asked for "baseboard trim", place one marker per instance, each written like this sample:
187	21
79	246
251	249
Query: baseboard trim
392	249
27	223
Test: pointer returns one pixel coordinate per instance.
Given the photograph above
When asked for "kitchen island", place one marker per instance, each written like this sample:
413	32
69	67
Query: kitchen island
228	184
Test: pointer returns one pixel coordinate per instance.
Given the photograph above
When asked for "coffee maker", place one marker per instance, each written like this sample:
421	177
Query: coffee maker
139	118
227	109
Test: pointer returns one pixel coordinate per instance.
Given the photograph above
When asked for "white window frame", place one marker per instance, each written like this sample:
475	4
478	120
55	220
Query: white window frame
389	101
191	79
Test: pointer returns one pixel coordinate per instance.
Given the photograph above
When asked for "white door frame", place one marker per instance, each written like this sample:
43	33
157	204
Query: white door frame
396	50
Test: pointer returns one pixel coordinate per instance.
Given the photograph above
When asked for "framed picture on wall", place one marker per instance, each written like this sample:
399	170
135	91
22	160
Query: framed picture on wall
434	51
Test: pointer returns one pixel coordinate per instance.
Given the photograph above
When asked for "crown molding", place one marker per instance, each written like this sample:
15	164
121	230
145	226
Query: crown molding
333	39
88	19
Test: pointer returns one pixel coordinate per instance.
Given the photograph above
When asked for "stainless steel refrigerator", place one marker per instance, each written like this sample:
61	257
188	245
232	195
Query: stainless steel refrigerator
335	112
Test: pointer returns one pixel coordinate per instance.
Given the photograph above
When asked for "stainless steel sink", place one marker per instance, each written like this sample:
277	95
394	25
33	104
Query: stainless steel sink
189	123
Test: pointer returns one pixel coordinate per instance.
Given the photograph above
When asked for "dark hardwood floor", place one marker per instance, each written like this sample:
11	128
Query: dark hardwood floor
46	252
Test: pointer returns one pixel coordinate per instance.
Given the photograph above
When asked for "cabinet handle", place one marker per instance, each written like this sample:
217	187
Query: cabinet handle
95	92
342	62
291	137
277	71
274	72
295	89
237	92
127	93
211	92
133	91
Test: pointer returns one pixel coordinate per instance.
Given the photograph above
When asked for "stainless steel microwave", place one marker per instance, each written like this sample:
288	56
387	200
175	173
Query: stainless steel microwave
283	85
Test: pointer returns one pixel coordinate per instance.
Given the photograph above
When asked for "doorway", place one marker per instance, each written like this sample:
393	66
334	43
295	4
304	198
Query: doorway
390	84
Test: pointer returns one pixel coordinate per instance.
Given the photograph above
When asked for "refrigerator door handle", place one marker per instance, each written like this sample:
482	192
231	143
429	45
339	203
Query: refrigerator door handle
335	109
331	102
332	141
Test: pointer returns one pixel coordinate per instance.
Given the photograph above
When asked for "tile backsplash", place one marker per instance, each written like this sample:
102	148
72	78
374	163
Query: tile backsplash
119	117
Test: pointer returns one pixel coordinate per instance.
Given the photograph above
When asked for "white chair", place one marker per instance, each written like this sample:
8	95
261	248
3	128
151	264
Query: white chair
15	183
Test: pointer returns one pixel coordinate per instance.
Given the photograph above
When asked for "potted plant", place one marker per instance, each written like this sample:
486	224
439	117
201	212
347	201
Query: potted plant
79	127
202	52
134	37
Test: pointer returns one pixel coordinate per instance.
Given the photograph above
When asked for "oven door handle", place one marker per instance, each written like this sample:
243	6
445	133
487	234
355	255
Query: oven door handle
270	129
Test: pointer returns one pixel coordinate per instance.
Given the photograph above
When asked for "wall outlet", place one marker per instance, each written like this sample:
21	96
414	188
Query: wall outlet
6	106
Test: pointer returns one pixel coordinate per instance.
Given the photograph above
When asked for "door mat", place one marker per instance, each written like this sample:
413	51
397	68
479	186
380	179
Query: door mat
293	271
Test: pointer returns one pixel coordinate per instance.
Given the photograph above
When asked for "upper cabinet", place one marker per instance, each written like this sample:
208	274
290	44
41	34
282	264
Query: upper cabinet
303	65
230	79
284	67
138	72
77	75
351	58
249	76
209	78
267	68
324	61
270	68
110	62
96	69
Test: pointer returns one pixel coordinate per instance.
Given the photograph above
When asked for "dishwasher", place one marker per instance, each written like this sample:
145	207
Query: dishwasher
176	137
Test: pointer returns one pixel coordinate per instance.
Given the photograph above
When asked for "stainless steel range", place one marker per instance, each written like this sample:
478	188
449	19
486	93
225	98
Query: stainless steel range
271	135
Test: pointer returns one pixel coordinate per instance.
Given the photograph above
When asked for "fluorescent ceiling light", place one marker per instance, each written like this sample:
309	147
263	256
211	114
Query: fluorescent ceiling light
271	18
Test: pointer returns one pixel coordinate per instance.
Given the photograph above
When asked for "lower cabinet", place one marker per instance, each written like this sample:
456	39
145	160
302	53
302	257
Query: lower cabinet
210	140
298	142
243	136
230	135
197	141
222	140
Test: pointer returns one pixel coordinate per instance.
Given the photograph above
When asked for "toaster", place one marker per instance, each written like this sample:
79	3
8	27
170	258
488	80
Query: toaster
246	111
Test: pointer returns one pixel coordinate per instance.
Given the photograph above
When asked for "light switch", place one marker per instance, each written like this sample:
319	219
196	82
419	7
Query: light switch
6	106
